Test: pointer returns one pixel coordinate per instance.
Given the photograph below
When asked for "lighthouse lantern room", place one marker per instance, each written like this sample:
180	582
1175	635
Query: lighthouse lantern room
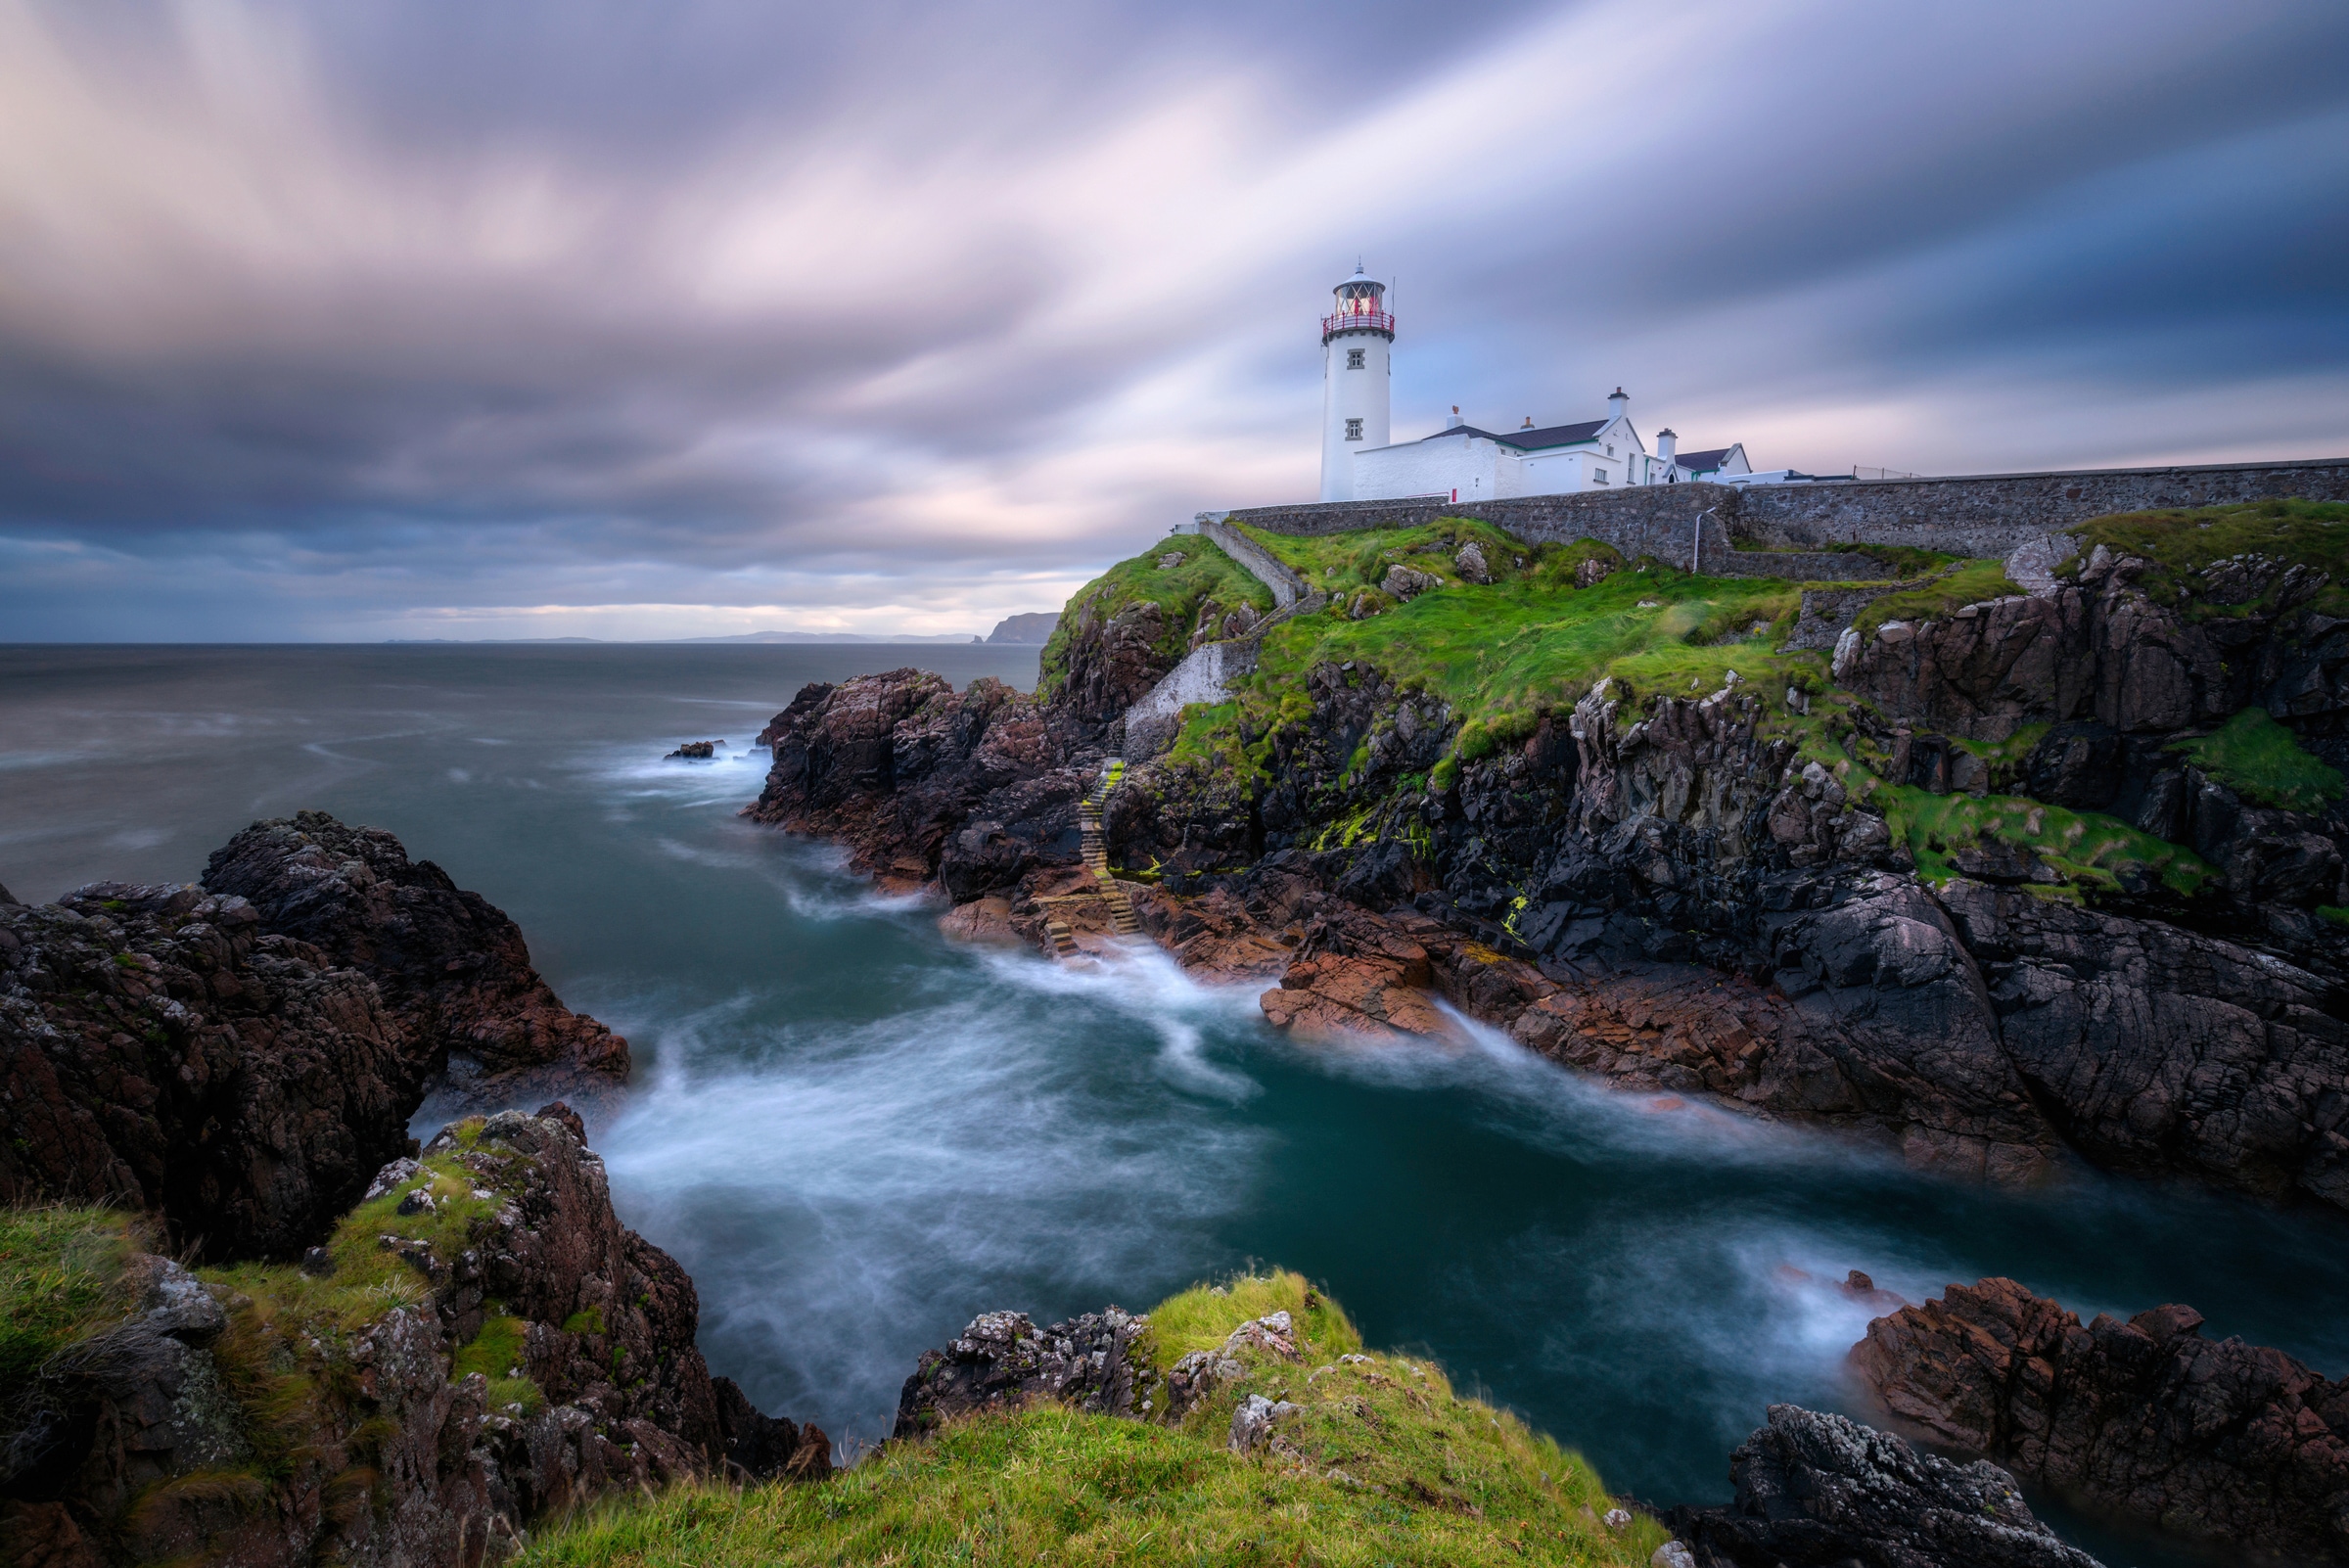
1355	336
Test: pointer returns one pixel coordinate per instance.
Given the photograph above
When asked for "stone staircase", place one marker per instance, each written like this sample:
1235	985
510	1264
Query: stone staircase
1095	850
1151	724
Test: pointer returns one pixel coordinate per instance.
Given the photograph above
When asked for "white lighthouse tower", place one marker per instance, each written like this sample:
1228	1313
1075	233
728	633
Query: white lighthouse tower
1355	338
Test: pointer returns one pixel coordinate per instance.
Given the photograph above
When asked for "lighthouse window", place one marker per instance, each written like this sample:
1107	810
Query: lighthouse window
1354	359
1354	430
1598	476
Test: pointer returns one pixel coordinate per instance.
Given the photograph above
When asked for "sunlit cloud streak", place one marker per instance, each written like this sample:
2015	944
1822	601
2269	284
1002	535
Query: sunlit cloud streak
354	320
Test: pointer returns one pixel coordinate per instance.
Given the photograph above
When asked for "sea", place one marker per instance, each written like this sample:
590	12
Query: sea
857	1133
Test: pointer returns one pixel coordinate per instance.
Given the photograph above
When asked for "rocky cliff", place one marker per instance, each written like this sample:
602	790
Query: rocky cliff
2229	1443
239	1056
2006	879
479	1346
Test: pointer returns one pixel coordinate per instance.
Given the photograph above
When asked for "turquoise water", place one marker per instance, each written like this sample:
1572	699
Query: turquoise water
855	1134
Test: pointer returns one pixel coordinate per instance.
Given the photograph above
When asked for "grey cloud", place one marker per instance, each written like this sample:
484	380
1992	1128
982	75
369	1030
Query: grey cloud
720	302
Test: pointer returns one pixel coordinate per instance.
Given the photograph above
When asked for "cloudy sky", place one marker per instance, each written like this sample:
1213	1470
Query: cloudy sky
372	318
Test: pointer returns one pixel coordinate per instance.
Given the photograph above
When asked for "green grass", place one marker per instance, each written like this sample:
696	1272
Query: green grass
2263	762
60	1279
2085	850
1347	564
2179	544
1971	583
1421	1476
1501	655
1206	573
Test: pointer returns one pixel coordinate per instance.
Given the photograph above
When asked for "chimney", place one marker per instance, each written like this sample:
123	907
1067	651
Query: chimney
1668	446
1617	403
1455	422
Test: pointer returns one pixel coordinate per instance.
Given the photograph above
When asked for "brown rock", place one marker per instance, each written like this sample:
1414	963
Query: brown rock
2223	1441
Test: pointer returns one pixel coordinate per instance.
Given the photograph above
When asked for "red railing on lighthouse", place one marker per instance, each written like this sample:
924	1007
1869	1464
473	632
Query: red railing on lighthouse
1368	320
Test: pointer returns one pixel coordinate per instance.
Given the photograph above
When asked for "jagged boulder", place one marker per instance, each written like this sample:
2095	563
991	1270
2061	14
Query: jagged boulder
2166	1050
973	788
1821	1491
452	967
2224	1440
1002	1362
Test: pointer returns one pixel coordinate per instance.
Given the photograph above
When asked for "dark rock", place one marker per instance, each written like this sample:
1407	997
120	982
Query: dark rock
694	752
1891	992
2076	765
240	1065
1002	1362
768	1446
976	789
452	968
2166	1050
2228	1442
1820	1491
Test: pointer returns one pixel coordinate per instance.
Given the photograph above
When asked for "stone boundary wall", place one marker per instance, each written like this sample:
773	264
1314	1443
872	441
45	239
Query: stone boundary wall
1979	515
1800	566
1658	520
1994	514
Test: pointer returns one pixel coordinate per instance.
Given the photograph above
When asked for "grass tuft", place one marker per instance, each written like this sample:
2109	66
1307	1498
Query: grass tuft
2263	762
2183	544
61	1278
1975	582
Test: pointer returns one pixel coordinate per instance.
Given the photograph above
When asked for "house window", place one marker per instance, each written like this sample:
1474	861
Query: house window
1598	476
1353	359
1354	430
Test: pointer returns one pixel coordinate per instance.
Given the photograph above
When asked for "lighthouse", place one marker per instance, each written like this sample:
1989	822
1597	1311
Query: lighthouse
1355	338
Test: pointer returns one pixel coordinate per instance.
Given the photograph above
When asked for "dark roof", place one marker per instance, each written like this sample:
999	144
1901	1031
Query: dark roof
1526	441
1698	462
1533	440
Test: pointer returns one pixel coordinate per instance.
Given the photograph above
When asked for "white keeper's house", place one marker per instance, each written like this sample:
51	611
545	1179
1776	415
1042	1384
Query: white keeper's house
1462	463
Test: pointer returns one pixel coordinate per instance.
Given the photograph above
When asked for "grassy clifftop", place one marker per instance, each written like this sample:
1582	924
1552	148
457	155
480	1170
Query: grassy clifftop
1182	574
1383	1464
2205	562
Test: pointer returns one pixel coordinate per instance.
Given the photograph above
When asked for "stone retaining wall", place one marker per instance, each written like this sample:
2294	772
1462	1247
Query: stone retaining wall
1982	515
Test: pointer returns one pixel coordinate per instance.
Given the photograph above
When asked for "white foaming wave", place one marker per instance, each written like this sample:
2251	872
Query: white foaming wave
1554	1106
869	1185
1142	981
1736	1306
645	770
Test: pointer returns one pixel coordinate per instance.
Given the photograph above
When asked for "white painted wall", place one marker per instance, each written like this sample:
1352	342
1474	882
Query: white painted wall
1461	467
1353	393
